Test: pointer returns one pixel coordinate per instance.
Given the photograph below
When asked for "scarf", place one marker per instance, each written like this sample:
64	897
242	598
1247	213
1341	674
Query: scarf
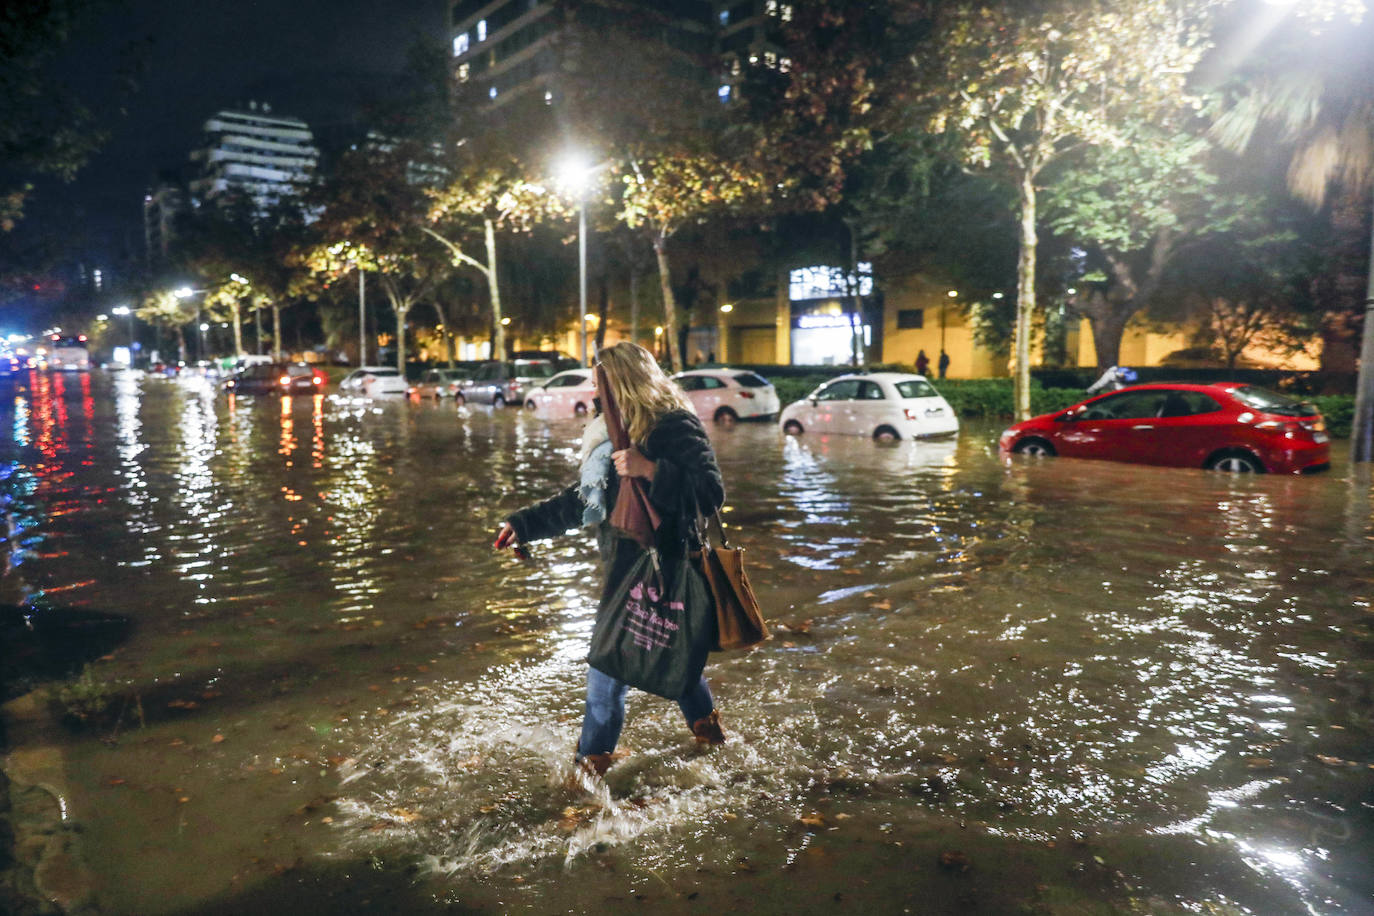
595	471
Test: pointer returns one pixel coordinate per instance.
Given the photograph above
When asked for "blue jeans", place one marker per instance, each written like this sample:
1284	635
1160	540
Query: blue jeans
605	711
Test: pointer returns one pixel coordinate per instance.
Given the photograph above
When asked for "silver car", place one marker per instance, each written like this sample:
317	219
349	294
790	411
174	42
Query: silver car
502	382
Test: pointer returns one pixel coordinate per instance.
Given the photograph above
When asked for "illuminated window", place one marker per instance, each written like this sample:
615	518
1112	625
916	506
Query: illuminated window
482	30
463	72
785	11
460	44
828	282
724	17
784	64
770	59
491	93
724	93
548	97
734	67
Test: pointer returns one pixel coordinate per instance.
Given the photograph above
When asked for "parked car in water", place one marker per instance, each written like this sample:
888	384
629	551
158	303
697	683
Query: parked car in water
884	405
440	383
569	393
1225	426
372	381
726	395
502	382
275	378
560	360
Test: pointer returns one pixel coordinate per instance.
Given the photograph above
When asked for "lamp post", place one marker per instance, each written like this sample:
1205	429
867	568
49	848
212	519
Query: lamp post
362	317
186	292
125	310
576	173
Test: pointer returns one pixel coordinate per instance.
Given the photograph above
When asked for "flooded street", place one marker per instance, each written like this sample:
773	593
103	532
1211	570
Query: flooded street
1029	686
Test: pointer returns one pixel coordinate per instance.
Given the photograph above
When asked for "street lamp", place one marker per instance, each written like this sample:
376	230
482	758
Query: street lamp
576	172
125	310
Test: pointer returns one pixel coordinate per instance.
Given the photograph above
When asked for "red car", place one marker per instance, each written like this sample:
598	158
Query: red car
1227	426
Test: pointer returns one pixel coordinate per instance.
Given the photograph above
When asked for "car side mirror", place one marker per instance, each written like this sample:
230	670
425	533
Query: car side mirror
814	401
1067	416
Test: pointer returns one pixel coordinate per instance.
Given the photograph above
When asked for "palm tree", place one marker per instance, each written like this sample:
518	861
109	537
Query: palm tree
1315	93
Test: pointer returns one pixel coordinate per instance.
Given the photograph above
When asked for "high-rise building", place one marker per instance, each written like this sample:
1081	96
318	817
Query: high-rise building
163	204
265	156
506	49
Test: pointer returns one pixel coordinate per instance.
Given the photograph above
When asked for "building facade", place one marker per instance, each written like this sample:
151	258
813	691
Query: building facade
264	156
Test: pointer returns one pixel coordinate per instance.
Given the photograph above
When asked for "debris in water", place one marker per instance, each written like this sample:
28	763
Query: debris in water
955	860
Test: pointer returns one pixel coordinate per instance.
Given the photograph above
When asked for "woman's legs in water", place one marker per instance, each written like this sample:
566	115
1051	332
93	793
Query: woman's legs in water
604	715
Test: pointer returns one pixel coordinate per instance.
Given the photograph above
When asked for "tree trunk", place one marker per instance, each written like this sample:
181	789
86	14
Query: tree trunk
276	331
1108	322
634	304
181	344
665	280
603	311
1025	300
856	341
402	308
498	333
237	312
445	330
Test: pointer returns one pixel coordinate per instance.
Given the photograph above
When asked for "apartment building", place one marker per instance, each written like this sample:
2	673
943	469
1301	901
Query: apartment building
263	155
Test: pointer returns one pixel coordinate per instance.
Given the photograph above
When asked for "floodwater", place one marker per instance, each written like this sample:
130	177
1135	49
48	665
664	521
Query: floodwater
996	685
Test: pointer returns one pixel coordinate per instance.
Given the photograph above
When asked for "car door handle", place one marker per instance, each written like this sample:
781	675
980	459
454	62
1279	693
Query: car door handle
1144	426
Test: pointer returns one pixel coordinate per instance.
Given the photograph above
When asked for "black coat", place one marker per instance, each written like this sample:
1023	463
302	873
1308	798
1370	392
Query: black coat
687	479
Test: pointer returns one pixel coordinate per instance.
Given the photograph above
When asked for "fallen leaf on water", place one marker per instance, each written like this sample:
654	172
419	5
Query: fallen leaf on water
1334	761
405	815
116	782
883	605
184	799
843	817
954	861
1259	763
812	820
217	739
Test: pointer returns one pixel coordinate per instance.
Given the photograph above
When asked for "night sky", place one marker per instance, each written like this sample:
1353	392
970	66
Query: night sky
320	60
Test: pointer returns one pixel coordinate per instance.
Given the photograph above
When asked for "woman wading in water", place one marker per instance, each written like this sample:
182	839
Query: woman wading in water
672	453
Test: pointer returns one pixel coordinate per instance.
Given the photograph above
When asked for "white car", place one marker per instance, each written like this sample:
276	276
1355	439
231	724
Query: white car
568	393
371	381
727	395
884	405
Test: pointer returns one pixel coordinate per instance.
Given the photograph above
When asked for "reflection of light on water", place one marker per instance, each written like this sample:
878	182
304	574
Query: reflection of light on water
353	504
195	546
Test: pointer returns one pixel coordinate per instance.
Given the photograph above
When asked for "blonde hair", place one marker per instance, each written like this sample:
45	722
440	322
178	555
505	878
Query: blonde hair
642	392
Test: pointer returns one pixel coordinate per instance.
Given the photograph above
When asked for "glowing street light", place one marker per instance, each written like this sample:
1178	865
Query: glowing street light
125	310
575	172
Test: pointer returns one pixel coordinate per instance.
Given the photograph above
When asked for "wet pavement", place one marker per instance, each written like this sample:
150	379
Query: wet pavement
995	685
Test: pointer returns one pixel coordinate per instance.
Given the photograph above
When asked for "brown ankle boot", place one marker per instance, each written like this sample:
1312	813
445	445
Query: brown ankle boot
598	764
707	730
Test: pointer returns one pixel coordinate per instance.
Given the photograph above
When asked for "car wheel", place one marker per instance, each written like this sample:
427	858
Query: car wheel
498	401
1237	462
726	417
885	434
1037	447
792	428
579	409
530	405
436	395
459	400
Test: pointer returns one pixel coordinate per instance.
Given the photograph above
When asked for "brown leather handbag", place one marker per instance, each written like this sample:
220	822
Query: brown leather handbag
739	622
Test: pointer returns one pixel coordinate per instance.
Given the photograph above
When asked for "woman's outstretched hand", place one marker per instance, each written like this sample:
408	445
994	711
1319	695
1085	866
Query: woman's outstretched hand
630	462
505	537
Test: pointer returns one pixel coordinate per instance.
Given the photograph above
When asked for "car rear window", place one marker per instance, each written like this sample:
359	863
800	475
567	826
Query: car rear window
916	388
1257	398
534	369
751	380
383	373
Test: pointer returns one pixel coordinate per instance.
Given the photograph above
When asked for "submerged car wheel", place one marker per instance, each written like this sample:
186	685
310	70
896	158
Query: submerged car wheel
579	409
530	405
459	400
1237	462
498	401
792	428
885	434
726	416
1037	447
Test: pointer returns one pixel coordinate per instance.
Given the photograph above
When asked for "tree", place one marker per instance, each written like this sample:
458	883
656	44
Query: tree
1132	208
1017	85
1314	87
486	195
45	129
374	217
165	310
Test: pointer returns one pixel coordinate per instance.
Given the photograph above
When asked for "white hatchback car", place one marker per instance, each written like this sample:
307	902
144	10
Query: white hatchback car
568	393
371	381
727	395
884	405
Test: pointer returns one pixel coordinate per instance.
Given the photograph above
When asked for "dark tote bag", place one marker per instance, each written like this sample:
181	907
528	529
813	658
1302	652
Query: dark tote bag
656	624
